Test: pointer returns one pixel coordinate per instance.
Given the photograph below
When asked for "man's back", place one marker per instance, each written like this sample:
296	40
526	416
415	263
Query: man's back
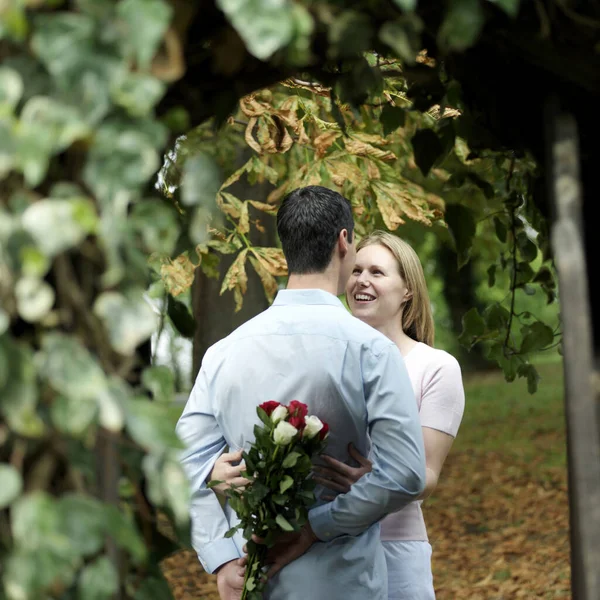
307	347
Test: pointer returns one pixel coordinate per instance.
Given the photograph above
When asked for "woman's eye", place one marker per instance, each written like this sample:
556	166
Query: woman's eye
377	272
356	272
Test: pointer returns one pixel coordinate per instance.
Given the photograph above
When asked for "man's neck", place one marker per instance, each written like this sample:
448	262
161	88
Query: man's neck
313	281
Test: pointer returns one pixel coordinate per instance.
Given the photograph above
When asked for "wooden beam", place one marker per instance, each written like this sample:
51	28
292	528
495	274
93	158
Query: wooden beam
583	436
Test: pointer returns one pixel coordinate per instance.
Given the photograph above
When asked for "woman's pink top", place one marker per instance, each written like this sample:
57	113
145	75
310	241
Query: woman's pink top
437	383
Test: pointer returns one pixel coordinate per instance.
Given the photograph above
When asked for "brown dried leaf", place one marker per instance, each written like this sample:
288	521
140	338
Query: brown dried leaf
324	141
278	193
244	222
266	135
229	204
178	274
250	138
236	279
268	281
373	170
236	175
359	148
251	107
272	259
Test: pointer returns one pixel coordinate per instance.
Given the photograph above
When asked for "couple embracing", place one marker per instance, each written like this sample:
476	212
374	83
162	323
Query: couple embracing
393	403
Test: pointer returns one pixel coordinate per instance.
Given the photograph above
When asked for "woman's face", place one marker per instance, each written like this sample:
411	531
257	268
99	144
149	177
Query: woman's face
376	291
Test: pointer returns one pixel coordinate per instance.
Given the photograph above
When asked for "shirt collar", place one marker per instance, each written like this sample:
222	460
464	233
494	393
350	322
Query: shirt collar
312	296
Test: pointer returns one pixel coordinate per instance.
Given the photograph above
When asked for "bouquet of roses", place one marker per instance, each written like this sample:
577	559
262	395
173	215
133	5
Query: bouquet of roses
280	492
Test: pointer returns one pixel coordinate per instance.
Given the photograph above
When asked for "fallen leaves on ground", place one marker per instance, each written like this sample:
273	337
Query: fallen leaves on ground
498	526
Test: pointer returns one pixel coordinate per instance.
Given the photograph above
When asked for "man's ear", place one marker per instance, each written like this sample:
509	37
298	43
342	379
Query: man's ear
343	243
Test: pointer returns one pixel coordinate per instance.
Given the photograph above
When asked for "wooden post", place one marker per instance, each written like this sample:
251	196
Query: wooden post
583	436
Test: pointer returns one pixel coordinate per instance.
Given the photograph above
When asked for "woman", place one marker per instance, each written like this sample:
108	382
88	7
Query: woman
387	290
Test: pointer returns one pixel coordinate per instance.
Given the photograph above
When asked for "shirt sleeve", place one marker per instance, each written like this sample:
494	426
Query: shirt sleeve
443	398
204	442
397	452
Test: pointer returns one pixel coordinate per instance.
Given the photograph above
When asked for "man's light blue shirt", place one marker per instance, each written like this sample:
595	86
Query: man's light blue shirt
307	347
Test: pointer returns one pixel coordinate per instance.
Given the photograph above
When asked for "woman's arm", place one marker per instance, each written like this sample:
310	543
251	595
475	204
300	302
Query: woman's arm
437	446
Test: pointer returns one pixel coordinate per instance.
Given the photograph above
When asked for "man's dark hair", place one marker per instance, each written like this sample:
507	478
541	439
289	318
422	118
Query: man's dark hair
309	222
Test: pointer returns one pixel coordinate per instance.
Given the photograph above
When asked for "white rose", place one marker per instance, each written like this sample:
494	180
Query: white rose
279	414
284	433
313	426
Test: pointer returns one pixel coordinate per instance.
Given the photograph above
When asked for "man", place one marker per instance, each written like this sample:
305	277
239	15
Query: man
306	346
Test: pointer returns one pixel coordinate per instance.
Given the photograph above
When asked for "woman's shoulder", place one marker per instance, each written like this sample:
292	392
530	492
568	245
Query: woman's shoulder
433	358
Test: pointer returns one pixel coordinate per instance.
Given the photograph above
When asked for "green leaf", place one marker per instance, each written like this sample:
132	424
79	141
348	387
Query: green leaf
428	149
496	317
473	327
500	228
152	424
406	5
11	485
536	336
391	118
160	381
532	375
138	94
462	25
524	274
349	35
291	459
99	580
403	37
59	224
155	587
263	416
510	7
527	248
181	318
283	523
461	223
34	297
491	272
265	25
286	483
201	180
157	224
11	87
83	521
73	416
129	319
123	530
146	22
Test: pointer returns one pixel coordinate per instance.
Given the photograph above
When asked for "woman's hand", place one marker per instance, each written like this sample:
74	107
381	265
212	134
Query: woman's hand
338	476
228	473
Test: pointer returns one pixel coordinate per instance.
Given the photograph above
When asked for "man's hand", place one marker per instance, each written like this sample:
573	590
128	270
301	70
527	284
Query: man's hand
230	579
288	548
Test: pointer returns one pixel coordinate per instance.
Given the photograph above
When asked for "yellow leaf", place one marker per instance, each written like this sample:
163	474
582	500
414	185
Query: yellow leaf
265	135
364	149
229	204
344	171
387	207
250	138
370	138
272	260
178	274
278	193
373	170
244	222
268	208
267	280
236	279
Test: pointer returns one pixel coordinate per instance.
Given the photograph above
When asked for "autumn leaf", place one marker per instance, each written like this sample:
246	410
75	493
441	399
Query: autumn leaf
236	279
388	207
250	138
364	149
372	170
244	222
324	141
178	274
272	259
268	281
235	176
268	208
251	107
344	171
229	204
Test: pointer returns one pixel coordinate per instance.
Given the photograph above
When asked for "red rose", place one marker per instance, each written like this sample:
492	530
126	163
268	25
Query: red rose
298	409
270	406
323	433
298	422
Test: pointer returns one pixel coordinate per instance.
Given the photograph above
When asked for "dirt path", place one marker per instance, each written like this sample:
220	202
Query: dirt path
498	527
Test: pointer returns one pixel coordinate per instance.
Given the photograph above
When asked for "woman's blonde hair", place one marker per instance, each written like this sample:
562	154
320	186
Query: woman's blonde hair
417	318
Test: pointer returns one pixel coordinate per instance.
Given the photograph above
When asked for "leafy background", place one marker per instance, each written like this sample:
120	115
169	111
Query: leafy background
142	139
